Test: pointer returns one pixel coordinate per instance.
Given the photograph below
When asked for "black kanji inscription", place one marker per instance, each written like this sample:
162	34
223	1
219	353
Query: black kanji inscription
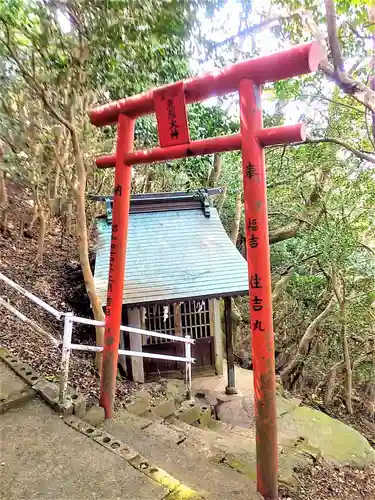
251	171
257	303
257	325
255	281
173	127
252	225
253	241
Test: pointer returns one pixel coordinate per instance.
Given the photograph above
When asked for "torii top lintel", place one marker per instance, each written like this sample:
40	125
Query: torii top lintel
296	61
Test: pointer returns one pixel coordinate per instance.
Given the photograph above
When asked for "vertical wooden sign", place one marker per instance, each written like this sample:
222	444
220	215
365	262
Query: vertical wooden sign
170	109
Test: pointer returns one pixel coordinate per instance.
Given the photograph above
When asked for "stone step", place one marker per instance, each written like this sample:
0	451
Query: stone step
14	392
183	454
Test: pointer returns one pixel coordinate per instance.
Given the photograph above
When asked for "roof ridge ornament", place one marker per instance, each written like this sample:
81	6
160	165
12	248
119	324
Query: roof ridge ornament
203	196
108	209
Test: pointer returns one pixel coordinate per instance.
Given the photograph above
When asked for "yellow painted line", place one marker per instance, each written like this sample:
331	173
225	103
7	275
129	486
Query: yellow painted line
176	490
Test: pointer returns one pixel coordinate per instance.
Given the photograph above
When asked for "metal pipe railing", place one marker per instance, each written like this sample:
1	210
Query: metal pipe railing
69	321
130	329
65	357
67	346
32	297
136	354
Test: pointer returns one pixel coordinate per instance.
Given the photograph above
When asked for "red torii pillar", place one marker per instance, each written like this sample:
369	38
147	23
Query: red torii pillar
169	104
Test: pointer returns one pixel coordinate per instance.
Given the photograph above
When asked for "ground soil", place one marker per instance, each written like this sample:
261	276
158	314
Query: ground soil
325	482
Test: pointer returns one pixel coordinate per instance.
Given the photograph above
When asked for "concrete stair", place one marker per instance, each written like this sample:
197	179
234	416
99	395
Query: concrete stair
187	453
14	392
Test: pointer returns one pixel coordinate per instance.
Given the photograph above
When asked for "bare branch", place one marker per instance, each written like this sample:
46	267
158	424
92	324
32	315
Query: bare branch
370	138
252	29
338	61
280	284
359	154
343	104
292	371
61	157
281	182
366	247
286	275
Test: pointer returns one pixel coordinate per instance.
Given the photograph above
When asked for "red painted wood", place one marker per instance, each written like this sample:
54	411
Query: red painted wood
120	220
170	109
260	296
245	77
274	67
267	137
287	134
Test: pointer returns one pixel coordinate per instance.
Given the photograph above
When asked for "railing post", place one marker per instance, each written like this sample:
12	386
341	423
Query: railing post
188	368
258	259
64	367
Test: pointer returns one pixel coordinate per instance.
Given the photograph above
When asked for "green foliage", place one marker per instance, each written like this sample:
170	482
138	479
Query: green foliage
74	54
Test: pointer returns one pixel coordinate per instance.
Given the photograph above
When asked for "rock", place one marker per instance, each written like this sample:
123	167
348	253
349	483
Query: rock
164	409
286	405
237	411
49	391
79	405
65	408
206	419
95	416
176	389
16	399
138	407
337	442
189	413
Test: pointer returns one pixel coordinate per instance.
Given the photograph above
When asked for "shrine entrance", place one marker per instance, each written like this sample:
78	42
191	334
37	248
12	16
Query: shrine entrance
169	105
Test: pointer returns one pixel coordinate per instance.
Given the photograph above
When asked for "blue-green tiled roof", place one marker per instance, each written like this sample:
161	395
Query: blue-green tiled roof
174	255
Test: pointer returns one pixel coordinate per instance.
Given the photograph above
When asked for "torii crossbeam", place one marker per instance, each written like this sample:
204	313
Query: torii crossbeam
169	103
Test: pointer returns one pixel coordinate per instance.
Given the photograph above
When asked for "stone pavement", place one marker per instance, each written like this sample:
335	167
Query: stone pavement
42	458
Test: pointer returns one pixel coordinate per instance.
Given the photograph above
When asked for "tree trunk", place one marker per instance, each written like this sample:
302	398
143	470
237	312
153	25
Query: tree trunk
56	180
280	285
3	202
69	217
339	289
215	171
42	236
348	366
3	190
83	246
237	219
34	217
331	385
293	370
22	225
220	202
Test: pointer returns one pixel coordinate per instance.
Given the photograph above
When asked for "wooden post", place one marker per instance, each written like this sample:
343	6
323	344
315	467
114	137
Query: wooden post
122	357
260	294
216	333
177	319
134	320
231	387
120	221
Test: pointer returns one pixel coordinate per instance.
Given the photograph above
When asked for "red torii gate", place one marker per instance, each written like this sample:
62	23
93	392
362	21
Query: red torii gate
169	104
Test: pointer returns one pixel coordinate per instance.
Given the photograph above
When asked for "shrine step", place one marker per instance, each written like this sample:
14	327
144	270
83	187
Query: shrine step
192	460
